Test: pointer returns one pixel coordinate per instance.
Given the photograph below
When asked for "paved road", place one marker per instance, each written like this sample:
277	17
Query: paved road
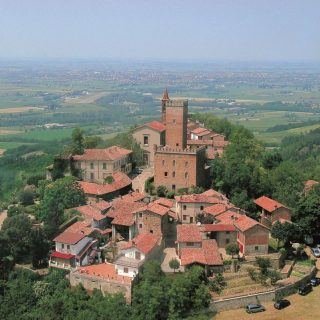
170	253
139	181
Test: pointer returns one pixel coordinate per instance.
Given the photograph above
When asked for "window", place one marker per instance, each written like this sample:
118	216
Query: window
186	175
174	121
91	175
140	214
173	174
177	144
151	231
174	163
145	140
104	166
227	241
140	225
184	207
125	270
163	162
227	232
68	246
186	163
190	244
165	173
91	165
184	217
256	248
62	246
201	207
173	187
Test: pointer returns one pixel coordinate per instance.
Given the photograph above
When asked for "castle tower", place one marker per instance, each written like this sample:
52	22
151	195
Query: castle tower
165	99
176	117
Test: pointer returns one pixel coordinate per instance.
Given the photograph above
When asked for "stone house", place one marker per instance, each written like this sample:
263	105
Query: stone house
95	165
224	234
133	254
102	277
272	211
149	136
75	247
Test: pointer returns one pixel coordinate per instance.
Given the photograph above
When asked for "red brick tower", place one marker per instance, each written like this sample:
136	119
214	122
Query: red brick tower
176	114
165	99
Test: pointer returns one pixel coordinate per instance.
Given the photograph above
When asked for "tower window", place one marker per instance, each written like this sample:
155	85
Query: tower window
174	121
186	175
163	162
173	187
173	174
174	163
166	174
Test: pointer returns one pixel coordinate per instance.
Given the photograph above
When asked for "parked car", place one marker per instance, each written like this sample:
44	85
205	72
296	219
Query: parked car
283	303
316	252
315	282
137	170
303	290
253	308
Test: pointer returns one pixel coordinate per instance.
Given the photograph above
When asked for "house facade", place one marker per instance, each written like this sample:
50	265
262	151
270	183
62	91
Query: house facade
95	165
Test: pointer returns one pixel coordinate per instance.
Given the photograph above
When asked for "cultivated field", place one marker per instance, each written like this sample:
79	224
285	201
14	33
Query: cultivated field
19	109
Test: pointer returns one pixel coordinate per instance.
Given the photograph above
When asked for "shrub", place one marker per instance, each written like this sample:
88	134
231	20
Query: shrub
252	274
161	191
174	264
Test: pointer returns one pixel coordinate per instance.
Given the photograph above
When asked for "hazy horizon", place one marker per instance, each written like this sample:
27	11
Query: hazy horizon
164	31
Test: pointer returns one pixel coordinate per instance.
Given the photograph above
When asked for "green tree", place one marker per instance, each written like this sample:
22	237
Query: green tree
78	142
161	191
39	247
285	232
307	213
218	283
26	197
174	264
232	249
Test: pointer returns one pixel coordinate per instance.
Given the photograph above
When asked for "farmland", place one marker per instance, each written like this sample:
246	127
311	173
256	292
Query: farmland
106	98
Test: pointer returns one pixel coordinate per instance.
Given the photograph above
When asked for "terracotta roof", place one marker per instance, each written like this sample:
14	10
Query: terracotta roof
157	209
101	205
188	233
133	197
104	271
165	96
156	125
165	202
215	194
111	153
218	208
69	237
207	255
121	180
218	227
309	184
196	198
268	204
143	242
90	211
228	217
201	131
61	255
122	212
245	223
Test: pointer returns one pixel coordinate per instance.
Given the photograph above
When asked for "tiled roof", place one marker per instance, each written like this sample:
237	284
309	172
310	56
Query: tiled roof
309	184
61	255
218	227
121	180
207	255
165	202
90	211
228	217
133	197
105	271
196	198
215	194
268	204
201	131
122	212
111	153
156	125
188	233
218	208
143	242
69	237
101	205
154	208
245	223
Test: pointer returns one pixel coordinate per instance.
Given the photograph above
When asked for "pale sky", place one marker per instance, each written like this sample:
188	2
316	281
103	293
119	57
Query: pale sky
161	29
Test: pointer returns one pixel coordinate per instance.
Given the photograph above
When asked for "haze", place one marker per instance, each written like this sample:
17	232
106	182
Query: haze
287	30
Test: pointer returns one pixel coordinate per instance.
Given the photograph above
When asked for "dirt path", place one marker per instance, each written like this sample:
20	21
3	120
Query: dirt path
139	181
3	215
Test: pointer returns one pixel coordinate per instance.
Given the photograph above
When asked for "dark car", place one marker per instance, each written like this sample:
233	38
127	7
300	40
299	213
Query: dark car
137	170
253	308
283	303
315	282
303	290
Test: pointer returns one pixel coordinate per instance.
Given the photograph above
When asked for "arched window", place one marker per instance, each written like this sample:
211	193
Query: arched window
174	163
173	174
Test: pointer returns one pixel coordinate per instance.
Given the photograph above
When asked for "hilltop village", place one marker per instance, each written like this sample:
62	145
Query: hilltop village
122	227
